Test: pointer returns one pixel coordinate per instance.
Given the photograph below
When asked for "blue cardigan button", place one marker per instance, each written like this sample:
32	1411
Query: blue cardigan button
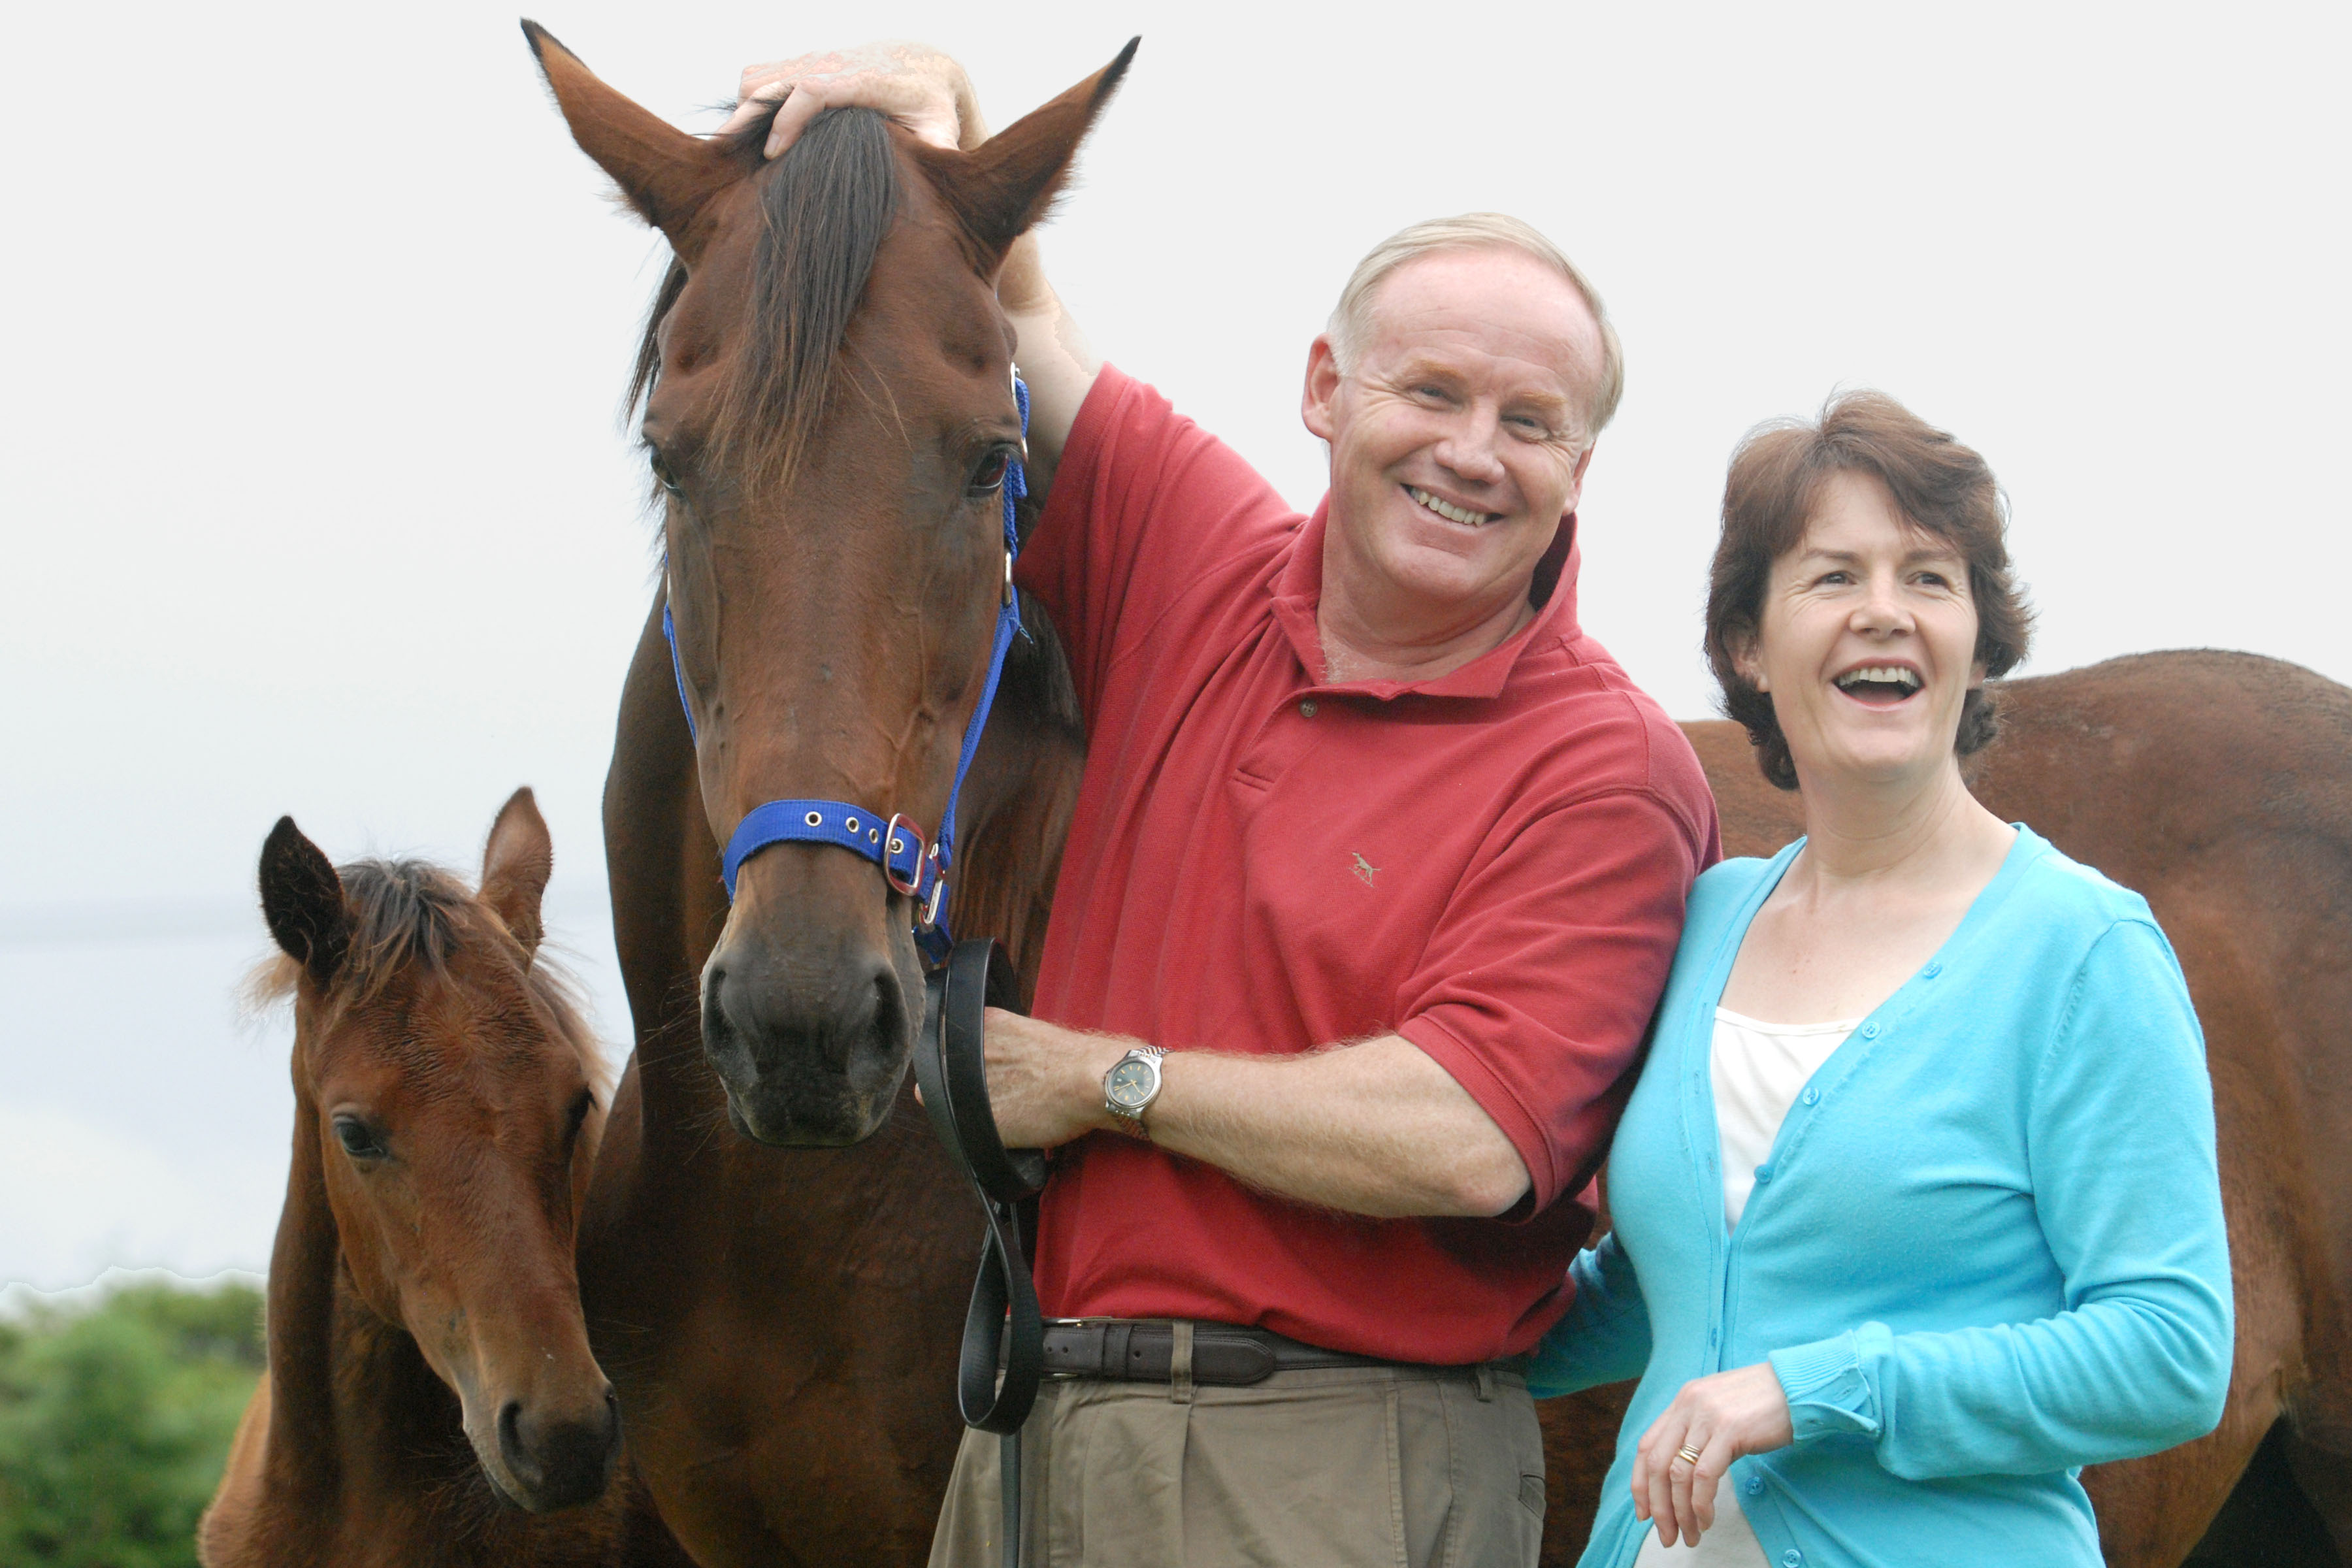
1753	1485
1869	1032
1793	1558
1812	1096
1763	1175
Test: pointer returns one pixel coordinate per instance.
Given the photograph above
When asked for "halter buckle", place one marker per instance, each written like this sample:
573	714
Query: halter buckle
899	823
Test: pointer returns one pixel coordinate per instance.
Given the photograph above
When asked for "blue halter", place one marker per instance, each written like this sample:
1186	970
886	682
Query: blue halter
891	842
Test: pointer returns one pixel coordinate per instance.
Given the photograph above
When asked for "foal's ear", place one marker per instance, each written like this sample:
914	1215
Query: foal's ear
515	867
667	176
1003	185
302	899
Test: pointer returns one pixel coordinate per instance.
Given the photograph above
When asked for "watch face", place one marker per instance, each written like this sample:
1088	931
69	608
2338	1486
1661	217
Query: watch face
1129	1084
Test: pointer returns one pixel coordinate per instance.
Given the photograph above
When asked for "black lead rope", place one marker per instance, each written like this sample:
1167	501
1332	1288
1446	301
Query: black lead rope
1002	1330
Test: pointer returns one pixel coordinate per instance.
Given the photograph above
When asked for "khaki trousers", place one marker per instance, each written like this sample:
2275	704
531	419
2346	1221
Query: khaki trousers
1377	1467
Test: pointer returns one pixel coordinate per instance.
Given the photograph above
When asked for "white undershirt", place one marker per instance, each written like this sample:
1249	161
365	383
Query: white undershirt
1760	1069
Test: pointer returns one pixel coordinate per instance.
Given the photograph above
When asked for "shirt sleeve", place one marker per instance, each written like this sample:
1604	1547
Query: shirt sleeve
1537	985
1605	1335
1143	501
2121	1155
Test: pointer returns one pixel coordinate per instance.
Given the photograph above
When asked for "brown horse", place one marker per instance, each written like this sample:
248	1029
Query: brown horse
781	1324
429	1369
831	399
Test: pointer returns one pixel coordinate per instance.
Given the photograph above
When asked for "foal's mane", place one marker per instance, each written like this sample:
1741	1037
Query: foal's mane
410	914
825	207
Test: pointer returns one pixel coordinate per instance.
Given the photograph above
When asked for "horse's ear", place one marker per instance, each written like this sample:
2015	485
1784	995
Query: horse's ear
667	176
515	867
302	899
1003	186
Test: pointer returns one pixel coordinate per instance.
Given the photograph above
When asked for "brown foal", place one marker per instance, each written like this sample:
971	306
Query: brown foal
430	1397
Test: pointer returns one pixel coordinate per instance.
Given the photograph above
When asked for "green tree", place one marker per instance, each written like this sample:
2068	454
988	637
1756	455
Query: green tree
115	1421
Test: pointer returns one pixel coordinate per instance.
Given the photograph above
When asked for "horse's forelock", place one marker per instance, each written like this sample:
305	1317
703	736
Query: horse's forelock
825	207
413	914
404	914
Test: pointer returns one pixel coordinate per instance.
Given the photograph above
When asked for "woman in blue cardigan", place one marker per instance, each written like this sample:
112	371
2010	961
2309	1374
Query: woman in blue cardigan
1916	1208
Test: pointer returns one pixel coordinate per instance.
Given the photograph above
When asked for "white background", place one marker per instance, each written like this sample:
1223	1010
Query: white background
315	501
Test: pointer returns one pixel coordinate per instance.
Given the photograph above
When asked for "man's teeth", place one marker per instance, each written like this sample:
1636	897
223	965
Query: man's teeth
1446	508
1884	674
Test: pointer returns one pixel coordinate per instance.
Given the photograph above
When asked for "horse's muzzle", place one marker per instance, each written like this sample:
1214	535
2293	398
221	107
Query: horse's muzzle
559	1459
809	1036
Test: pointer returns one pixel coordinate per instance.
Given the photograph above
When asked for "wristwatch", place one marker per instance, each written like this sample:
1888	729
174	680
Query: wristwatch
1131	1087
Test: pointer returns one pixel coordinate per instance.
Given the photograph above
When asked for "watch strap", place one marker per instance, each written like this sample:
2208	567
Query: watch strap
1132	1121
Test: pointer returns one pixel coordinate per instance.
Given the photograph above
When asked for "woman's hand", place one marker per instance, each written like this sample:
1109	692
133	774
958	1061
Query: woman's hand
1720	1418
920	87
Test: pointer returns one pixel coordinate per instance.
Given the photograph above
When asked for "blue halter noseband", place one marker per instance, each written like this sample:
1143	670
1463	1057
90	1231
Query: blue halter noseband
892	842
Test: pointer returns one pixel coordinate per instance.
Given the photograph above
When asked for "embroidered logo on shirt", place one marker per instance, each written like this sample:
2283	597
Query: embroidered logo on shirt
1366	869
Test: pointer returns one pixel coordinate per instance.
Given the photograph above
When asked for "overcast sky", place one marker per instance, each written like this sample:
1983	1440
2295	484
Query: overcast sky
315	501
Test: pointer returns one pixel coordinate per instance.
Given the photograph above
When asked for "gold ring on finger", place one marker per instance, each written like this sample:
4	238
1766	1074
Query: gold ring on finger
1688	1454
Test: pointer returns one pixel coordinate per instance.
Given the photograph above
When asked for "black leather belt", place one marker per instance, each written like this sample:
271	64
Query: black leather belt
1144	1351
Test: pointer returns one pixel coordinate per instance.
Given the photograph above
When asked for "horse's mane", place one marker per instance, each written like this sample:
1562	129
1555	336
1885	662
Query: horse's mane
826	204
406	914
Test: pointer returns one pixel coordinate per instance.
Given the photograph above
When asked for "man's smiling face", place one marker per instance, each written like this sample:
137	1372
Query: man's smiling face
1457	432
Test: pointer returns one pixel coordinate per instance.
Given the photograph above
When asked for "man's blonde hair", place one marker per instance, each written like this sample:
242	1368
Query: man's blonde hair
1475	231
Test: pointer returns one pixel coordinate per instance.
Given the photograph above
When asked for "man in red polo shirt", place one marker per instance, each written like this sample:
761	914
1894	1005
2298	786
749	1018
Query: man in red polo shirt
1375	876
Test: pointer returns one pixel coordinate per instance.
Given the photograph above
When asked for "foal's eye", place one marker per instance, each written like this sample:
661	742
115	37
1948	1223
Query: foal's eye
991	472
359	1141
578	1117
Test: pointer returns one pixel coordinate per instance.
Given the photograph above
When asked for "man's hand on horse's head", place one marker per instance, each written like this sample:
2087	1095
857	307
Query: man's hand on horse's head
920	87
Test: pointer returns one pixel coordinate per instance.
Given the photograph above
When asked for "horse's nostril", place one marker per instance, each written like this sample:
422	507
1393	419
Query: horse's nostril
560	1458
889	1004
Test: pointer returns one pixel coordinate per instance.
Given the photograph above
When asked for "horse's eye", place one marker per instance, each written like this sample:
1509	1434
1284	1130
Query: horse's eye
991	472
664	472
358	1140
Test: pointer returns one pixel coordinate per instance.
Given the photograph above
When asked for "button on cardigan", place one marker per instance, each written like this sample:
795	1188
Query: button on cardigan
1992	1250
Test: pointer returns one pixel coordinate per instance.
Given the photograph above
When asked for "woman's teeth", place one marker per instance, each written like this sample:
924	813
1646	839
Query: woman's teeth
1879	681
1447	509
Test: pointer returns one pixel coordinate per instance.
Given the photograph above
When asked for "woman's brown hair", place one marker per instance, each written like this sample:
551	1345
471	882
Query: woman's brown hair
1939	486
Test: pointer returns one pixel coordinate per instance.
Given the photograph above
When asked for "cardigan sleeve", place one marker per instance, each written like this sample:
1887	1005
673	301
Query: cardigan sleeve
2119	1129
1605	1335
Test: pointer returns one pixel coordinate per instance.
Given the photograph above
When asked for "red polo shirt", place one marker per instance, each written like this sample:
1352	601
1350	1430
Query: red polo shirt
1492	863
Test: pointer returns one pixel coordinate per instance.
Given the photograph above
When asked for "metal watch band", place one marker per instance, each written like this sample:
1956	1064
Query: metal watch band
1132	1121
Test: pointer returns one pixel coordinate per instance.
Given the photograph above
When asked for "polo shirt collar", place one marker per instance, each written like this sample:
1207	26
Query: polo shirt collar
1298	589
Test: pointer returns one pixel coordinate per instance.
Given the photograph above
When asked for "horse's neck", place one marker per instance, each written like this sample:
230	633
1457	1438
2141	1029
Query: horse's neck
358	1421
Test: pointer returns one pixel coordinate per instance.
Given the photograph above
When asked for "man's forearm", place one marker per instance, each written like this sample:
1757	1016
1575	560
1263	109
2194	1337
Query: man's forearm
1055	358
1374	1128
